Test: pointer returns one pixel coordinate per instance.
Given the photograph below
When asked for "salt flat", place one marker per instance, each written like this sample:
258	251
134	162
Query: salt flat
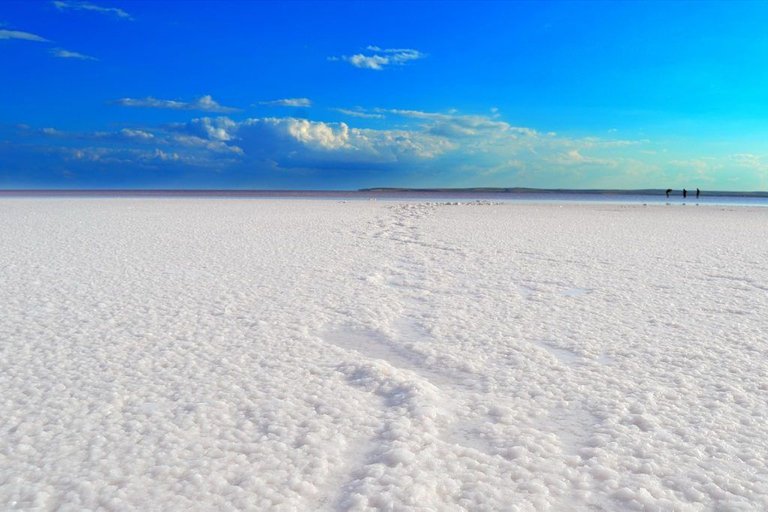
222	354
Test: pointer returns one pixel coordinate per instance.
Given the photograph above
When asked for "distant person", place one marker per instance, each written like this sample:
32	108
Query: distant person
668	191
698	193
685	193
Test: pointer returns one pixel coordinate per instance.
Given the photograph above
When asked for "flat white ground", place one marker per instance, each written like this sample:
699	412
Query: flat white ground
222	354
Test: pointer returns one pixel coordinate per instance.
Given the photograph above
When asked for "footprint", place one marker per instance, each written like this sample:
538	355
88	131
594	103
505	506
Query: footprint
377	345
373	345
576	292
563	355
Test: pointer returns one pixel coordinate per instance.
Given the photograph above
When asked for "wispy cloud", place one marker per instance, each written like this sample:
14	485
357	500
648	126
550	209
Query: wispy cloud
87	6
130	144
288	102
25	36
452	124
66	54
136	134
359	113
378	58
575	157
52	132
204	103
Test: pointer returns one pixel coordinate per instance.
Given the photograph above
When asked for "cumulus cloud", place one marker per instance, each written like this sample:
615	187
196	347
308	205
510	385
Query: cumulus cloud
204	103
318	135
86	6
378	58
288	102
66	54
300	140
25	36
293	142
219	128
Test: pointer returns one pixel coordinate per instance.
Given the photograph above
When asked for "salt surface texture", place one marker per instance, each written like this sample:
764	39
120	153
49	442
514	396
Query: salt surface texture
316	355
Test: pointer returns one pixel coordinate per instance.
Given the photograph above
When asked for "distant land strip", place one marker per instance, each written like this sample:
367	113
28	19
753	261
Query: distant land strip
597	191
137	192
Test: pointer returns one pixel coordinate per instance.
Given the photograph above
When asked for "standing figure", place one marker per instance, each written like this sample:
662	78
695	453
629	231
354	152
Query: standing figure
698	193
668	191
685	193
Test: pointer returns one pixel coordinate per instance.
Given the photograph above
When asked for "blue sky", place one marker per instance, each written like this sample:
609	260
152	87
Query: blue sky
325	95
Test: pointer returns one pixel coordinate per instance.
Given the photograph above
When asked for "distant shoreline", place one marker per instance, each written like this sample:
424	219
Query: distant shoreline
595	191
383	191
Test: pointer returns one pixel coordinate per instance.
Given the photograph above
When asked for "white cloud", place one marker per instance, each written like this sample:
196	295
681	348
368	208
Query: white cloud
25	36
66	54
204	103
381	57
288	102
367	61
86	6
318	135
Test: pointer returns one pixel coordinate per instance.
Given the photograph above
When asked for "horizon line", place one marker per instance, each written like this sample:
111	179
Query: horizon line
369	190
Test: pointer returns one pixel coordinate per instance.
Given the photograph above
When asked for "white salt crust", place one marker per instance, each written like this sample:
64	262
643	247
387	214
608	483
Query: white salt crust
222	354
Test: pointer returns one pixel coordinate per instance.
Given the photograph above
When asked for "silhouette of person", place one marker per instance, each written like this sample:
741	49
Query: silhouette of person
668	191
698	193
685	193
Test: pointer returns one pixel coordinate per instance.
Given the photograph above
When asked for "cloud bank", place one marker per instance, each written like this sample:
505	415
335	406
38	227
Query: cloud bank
418	148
